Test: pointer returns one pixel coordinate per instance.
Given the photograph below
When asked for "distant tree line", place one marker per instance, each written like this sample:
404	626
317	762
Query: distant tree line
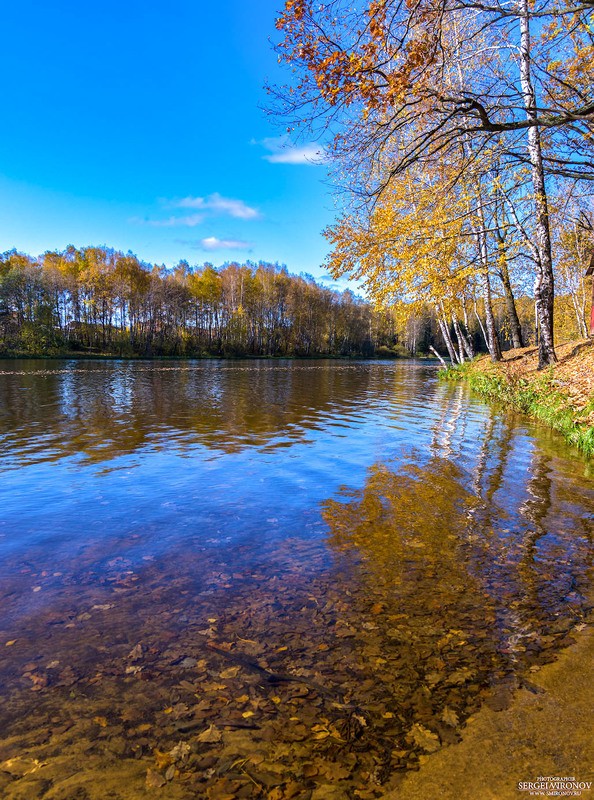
99	300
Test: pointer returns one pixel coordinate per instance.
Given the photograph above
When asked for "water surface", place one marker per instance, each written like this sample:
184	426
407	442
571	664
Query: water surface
264	579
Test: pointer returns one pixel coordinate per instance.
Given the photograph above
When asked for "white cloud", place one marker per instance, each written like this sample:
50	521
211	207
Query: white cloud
213	243
219	205
189	221
281	151
340	284
212	205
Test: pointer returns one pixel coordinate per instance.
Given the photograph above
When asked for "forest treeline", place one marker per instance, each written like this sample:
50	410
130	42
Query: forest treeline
96	300
460	137
99	300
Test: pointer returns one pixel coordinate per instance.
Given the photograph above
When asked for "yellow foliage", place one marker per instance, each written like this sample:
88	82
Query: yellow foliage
412	246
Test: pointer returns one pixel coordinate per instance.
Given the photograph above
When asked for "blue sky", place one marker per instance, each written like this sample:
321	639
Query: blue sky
137	125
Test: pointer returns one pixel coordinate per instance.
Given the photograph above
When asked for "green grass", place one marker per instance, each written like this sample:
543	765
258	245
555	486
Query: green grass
539	398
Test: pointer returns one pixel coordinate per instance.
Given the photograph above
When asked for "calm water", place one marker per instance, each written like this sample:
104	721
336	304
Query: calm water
263	579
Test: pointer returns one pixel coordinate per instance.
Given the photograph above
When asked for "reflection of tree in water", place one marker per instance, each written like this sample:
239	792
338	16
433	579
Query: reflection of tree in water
107	410
469	599
555	548
449	430
531	524
538	548
410	527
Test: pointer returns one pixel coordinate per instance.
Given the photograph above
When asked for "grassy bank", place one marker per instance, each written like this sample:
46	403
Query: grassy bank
561	396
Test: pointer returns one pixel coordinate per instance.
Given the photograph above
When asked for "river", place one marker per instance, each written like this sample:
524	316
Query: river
284	579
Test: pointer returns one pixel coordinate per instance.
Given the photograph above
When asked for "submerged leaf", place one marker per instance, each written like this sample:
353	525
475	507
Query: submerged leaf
450	717
424	738
154	780
230	672
211	734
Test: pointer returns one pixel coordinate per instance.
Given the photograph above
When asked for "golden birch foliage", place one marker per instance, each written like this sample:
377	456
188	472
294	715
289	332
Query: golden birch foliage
411	247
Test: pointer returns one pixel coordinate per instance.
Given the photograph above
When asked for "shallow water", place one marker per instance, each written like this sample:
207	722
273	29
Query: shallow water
265	579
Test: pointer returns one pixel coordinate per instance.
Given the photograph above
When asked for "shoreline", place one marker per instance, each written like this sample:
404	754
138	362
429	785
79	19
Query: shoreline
561	396
546	731
113	357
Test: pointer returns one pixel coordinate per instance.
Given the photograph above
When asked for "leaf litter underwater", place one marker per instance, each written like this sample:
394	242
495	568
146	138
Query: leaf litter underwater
315	670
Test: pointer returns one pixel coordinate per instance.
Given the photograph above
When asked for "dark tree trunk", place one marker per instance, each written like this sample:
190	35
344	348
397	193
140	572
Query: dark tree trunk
510	302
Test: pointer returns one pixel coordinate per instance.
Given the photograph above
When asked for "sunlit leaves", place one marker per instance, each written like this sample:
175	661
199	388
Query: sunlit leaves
413	246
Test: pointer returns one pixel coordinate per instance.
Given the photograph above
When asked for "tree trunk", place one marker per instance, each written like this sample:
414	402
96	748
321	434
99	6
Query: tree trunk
510	302
469	337
443	327
464	345
492	340
578	307
480	231
458	336
435	353
480	322
544	283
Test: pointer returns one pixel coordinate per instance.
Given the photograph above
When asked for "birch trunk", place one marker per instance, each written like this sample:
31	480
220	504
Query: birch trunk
491	336
443	327
480	322
492	339
435	353
458	340
467	331
463	343
544	283
510	302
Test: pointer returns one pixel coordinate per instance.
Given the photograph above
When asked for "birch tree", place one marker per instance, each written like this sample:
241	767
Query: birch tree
368	72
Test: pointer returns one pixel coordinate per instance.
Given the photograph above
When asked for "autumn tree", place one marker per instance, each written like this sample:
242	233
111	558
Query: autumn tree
423	243
99	300
470	72
574	246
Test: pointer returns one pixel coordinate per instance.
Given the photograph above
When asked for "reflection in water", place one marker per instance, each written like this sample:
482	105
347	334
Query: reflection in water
265	579
103	410
430	547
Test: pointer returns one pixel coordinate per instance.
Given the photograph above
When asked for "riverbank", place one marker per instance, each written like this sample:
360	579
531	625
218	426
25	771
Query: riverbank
546	731
561	396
